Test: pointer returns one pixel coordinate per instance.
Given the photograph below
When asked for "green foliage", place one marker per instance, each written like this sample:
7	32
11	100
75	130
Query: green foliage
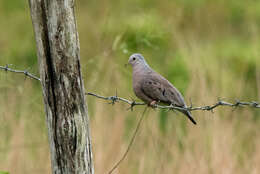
2	172
241	59
206	48
13	6
181	133
143	32
178	73
163	119
130	122
140	32
191	3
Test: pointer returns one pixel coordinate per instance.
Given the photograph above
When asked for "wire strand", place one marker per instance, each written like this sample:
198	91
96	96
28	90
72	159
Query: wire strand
131	141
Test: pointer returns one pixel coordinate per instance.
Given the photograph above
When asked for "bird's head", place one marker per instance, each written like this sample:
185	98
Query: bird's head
136	59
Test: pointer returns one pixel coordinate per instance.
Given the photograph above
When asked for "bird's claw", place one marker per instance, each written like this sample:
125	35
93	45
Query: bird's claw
152	104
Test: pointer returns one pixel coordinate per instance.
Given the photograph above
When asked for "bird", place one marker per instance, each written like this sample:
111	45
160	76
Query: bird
152	88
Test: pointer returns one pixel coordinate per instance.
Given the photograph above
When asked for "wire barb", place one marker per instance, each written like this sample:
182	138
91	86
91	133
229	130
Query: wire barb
26	73
132	105
114	99
211	108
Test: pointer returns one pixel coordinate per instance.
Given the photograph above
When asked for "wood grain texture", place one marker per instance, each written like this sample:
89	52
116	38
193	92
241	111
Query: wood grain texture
62	85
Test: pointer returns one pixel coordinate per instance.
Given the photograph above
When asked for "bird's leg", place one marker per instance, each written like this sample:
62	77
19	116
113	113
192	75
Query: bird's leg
152	104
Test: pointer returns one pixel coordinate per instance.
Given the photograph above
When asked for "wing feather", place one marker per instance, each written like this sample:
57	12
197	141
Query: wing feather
158	88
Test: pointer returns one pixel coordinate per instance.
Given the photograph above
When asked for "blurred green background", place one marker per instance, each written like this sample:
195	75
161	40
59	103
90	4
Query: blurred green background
207	49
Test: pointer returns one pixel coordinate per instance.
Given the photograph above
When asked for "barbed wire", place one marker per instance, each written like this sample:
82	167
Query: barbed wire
25	72
133	103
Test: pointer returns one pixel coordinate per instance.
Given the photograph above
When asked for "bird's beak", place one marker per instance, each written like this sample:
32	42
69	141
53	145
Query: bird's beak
126	65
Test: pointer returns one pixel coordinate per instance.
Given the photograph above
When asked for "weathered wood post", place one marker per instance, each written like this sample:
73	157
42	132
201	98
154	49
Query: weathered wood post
62	85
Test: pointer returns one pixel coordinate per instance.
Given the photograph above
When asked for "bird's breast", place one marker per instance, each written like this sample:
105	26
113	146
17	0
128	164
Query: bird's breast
137	79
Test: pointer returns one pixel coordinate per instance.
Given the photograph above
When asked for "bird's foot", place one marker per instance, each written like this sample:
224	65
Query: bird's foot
152	104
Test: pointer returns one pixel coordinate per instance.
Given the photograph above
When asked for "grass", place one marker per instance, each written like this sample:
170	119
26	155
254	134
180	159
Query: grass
208	50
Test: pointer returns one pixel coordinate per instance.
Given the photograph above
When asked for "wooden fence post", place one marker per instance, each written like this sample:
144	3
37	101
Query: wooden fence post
62	85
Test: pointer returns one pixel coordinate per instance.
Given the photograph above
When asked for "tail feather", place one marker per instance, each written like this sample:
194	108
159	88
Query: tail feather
188	114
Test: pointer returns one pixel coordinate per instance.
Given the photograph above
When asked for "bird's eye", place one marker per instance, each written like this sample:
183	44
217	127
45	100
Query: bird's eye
134	58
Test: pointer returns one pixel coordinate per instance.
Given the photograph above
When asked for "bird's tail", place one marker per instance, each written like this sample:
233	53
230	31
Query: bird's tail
188	114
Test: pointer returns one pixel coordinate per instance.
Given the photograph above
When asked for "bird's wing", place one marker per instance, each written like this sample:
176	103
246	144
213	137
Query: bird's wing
158	88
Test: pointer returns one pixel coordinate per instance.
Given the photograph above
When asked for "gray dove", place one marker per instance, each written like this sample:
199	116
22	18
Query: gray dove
151	87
